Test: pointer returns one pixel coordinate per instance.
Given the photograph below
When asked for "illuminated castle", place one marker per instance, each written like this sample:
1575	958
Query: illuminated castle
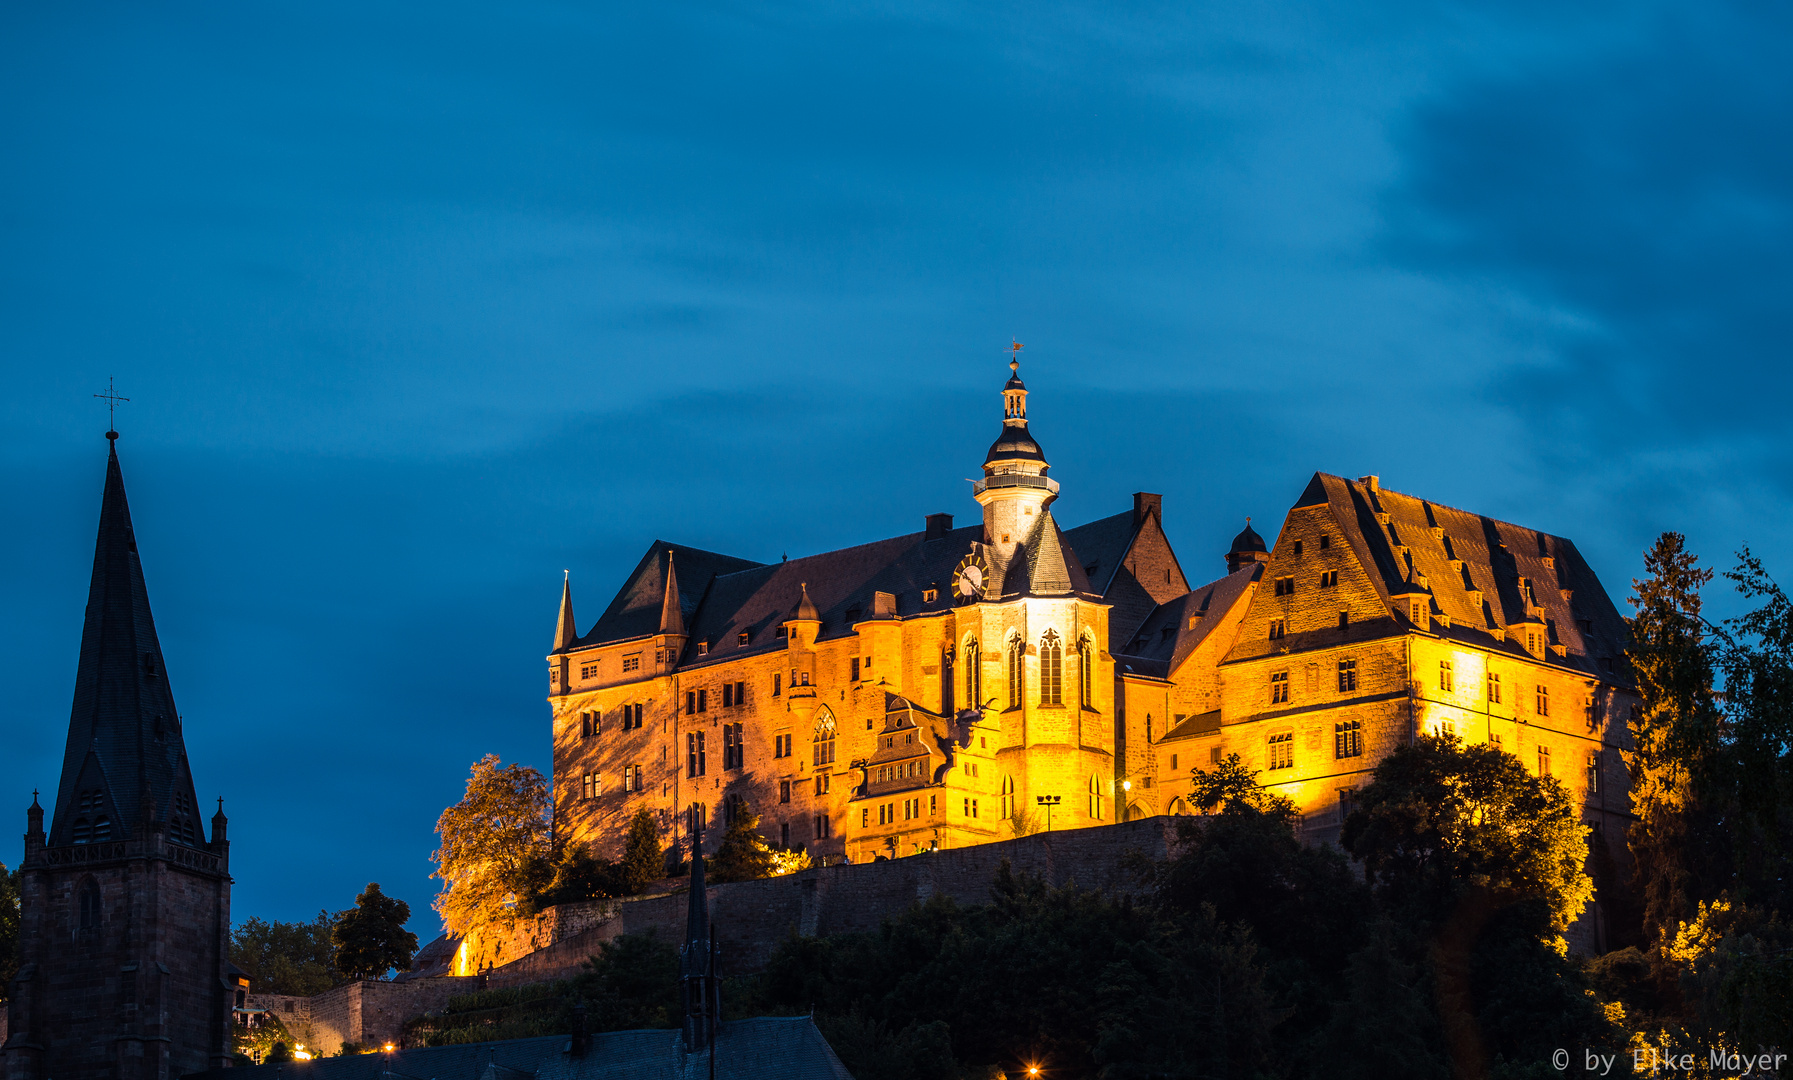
956	686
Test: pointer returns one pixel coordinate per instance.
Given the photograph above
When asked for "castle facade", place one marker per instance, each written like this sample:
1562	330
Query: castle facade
960	684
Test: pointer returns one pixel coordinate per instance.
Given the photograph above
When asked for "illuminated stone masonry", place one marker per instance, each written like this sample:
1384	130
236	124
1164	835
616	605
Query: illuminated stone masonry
927	691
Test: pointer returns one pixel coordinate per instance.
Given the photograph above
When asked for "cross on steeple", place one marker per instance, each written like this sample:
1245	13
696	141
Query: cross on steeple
111	398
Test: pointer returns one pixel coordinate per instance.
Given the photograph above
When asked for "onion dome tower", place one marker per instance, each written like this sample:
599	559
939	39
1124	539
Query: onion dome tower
1248	547
1015	490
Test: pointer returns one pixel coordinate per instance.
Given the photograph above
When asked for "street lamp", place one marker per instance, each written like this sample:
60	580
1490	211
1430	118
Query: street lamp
1048	801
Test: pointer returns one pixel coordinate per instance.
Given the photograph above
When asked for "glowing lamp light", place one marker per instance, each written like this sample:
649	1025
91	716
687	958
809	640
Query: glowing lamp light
300	1053
1033	1070
388	1048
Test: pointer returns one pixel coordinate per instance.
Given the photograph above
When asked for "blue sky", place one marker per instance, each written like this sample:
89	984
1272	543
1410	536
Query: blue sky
419	305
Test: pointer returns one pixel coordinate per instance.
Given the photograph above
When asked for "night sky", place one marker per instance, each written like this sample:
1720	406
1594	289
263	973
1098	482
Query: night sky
419	305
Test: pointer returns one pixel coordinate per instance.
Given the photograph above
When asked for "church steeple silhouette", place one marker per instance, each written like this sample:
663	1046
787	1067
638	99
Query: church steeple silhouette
124	771
124	965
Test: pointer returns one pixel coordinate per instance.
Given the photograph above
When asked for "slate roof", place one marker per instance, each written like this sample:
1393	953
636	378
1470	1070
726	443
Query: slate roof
124	735
763	1048
1422	538
636	610
1101	547
1166	638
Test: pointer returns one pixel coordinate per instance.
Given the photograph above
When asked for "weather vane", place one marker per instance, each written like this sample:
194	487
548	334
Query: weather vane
111	398
1015	348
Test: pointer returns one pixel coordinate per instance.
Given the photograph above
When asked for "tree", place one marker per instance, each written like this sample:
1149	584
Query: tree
743	854
1679	849
495	847
286	958
633	982
1442	823
10	919
371	938
1757	661
644	861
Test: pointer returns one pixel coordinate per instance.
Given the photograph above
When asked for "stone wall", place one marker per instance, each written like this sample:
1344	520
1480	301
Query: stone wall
371	1013
752	918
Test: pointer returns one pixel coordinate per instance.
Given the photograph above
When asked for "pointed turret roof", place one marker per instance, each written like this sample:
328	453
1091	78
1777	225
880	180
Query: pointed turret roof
565	631
1048	569
125	761
806	608
672	616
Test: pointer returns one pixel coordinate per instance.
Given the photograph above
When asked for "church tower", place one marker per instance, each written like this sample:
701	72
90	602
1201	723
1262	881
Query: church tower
1015	490
125	904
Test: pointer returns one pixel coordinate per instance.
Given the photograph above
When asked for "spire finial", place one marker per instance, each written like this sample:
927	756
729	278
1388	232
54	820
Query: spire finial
112	399
1015	348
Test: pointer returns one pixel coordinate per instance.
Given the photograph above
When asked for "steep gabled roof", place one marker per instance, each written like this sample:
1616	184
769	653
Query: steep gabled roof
1454	554
639	606
124	750
1177	627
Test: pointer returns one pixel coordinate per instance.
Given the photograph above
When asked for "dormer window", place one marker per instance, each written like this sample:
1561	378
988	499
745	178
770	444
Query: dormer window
703	648
743	637
928	596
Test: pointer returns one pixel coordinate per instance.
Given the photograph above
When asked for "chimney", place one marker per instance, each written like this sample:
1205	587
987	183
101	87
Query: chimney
939	525
1374	483
1144	502
884	605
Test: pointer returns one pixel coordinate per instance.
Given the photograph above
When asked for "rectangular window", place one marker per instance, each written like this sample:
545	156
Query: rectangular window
740	693
853	676
1494	688
1297	549
1282	750
1543	700
703	700
1325	542
1347	676
1213	755
632	662
974	812
865	818
728	695
931	810
784	791
1344	620
589	786
784	831
690	703
1279	688
1346	795
1446	728
1593	774
1278	628
1328	578
694	754
1173	763
1446	680
824	827
1494	739
777	678
640	714
822	783
1543	761
1285	586
1347	739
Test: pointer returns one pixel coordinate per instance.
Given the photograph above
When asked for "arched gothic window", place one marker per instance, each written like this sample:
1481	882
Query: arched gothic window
1017	671
974	678
824	740
1178	807
1052	670
90	904
1096	793
1086	673
946	681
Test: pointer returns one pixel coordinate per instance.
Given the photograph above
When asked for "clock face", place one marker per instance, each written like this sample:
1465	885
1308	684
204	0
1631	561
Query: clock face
968	579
